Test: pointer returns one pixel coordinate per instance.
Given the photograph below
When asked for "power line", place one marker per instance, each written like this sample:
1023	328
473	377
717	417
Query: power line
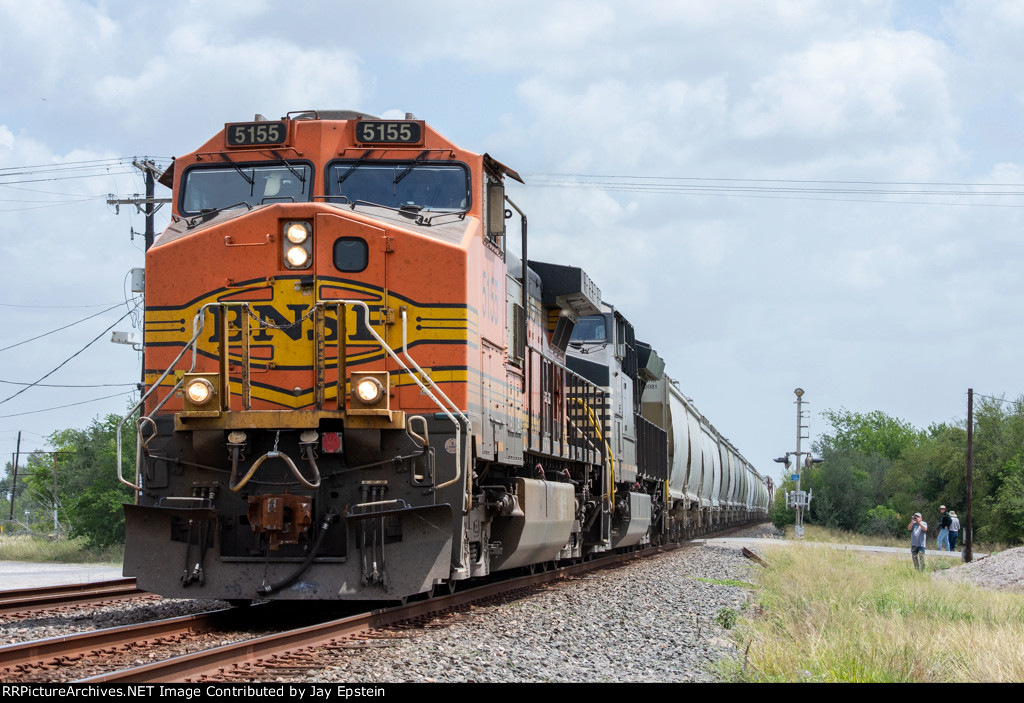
79	385
69	405
45	334
55	369
102	165
61	307
777	180
77	164
1019	400
784	189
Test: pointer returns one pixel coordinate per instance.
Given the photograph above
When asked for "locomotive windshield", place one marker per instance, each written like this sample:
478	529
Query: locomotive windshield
217	187
589	329
395	184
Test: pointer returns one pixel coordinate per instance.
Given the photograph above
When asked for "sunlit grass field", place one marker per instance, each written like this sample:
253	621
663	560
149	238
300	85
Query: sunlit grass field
37	549
835	615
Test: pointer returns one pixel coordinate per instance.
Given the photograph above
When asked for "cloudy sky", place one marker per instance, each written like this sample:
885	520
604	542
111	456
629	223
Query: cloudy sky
777	194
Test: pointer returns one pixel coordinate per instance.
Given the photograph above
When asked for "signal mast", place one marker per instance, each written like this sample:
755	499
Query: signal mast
797	499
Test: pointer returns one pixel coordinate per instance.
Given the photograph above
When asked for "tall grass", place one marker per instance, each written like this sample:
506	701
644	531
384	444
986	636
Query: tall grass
37	549
833	615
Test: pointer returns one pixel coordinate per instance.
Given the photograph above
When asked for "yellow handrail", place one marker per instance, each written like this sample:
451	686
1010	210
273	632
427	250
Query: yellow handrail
608	448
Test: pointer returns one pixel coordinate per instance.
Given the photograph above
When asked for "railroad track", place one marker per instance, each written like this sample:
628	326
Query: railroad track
31	600
52	658
249	658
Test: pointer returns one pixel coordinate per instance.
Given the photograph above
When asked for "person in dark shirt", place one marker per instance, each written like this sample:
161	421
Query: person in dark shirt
945	521
954	530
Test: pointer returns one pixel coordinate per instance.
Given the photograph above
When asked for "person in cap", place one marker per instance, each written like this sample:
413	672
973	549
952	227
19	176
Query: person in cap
945	521
954	530
918	529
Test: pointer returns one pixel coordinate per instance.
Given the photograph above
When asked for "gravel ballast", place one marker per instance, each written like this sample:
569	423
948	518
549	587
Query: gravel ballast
1003	571
652	620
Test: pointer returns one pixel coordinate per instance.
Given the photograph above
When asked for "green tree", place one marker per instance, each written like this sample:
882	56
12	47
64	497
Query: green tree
33	507
859	451
89	494
1008	502
930	473
876	465
998	469
868	433
845	487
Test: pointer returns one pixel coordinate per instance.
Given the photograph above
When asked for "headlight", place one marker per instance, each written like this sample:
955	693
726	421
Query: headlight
297	240
369	390
297	257
296	232
369	394
199	391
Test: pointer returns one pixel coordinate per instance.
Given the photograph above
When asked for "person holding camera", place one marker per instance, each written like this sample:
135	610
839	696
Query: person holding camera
918	530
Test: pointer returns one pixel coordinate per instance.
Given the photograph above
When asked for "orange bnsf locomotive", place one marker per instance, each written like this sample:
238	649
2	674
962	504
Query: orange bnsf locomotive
355	390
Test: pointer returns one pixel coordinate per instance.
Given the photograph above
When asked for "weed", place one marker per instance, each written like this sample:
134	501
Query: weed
725	582
726	617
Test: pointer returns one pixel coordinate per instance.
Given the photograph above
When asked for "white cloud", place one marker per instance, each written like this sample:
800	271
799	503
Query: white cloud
886	83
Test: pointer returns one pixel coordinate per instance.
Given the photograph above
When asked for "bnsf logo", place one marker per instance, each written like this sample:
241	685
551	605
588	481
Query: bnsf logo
296	324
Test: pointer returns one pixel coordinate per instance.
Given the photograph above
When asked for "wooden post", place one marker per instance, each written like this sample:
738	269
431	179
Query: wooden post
968	526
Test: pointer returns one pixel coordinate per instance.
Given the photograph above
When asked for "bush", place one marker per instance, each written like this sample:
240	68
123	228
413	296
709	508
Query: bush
779	514
883	521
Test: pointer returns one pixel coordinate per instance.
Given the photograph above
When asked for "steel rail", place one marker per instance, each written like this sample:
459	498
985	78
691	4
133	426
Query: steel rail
69	646
32	599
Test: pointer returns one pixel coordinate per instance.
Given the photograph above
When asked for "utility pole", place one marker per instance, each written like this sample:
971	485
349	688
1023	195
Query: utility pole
152	204
14	480
968	526
800	500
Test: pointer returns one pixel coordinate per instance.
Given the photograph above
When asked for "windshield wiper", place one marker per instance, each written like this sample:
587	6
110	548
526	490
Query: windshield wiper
207	214
354	166
250	180
579	344
408	169
297	174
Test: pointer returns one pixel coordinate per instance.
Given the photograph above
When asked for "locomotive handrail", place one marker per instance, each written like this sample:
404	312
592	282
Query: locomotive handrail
607	447
469	423
577	380
426	391
198	323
